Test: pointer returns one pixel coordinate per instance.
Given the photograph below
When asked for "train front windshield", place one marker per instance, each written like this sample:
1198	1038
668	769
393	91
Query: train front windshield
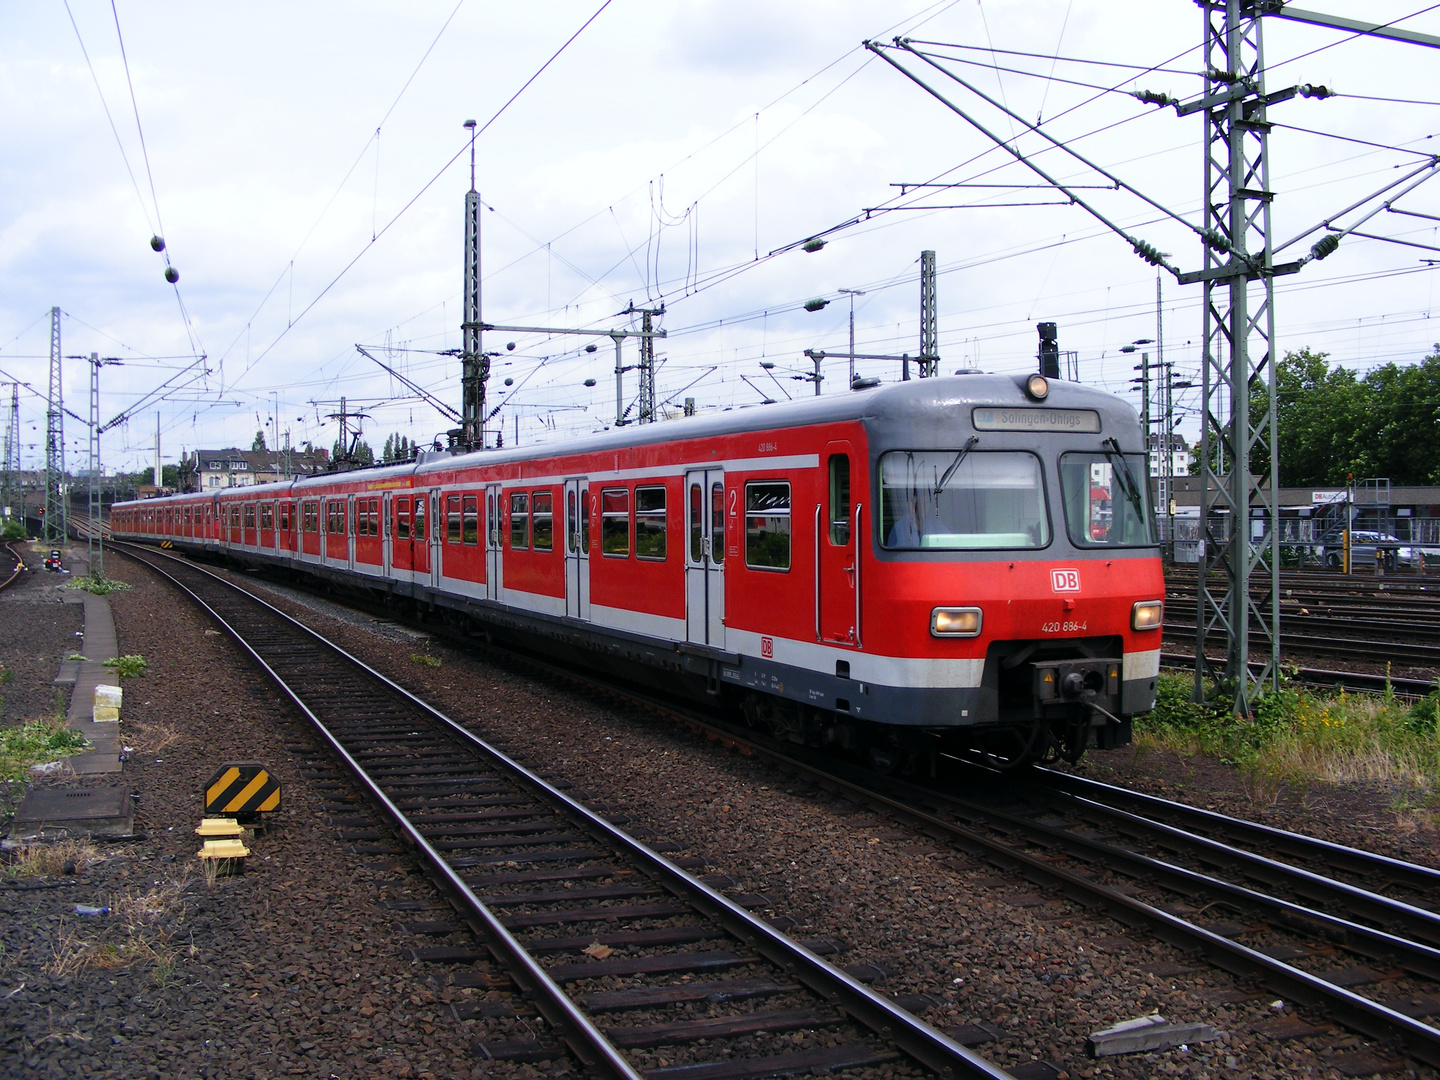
1107	500
959	500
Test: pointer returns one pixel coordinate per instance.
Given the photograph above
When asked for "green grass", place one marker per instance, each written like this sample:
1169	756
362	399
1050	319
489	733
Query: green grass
127	667
1300	736
34	744
425	658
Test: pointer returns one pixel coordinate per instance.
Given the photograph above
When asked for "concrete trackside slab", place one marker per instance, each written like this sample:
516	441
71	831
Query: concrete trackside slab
103	756
49	812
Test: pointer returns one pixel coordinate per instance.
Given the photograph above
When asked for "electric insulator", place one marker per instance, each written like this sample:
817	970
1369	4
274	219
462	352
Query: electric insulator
509	382
158	243
589	382
172	275
1326	245
510	346
815	245
1147	251
816	304
591	347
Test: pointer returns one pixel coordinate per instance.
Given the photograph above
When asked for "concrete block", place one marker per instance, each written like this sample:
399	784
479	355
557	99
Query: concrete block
1143	1033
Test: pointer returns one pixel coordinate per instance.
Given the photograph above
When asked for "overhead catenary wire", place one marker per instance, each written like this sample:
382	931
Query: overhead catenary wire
424	188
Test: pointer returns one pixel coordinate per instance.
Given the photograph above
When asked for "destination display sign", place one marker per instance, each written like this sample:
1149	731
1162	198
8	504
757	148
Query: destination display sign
1069	420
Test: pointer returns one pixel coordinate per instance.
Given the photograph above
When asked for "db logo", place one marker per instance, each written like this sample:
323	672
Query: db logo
1065	580
767	648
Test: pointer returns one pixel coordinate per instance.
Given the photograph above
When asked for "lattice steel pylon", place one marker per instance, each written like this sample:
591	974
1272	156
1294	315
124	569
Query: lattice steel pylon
53	530
474	364
929	321
1239	572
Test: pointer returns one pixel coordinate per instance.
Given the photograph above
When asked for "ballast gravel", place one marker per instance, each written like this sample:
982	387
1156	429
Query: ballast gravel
296	967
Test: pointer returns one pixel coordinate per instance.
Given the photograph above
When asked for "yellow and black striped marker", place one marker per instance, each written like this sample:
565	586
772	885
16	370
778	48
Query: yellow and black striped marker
242	788
166	544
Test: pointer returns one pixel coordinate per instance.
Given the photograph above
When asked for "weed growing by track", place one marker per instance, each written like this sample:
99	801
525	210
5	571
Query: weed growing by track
33	744
96	584
127	667
1298	737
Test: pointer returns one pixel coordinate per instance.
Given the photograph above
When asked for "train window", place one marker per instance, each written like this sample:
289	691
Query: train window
249	515
615	522
401	510
543	523
310	517
335	517
767	525
1107	500
572	524
840	500
452	519
697	523
285	509
717	523
519	521
470	525
420	518
957	500
650	523
187	516
267	516
585	522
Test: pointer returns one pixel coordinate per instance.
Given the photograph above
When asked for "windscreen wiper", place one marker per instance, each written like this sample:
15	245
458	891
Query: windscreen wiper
959	457
1126	478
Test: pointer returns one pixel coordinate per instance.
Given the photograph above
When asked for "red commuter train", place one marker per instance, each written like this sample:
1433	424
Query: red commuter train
962	565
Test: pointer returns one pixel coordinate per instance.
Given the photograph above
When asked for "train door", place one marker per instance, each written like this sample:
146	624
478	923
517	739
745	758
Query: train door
420	539
837	547
436	535
705	557
387	508
494	546
577	549
353	507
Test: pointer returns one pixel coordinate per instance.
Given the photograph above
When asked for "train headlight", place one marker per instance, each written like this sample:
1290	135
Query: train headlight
956	622
1038	387
1147	615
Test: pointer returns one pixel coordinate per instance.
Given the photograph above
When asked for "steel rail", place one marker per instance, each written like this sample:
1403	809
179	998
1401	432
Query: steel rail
1362	681
1413	875
1416	956
911	1034
19	565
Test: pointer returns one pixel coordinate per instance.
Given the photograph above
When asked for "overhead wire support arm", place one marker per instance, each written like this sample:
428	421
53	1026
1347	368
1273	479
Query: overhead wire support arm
1328	244
445	409
1145	250
1213	239
1335	22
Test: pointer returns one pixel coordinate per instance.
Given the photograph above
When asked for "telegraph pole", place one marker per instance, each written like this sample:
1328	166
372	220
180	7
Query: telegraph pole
474	364
929	321
54	524
852	293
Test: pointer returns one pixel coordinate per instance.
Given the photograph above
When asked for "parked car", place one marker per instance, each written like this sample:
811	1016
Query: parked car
1363	546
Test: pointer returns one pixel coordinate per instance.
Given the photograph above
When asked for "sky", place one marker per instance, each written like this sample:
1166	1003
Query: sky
307	167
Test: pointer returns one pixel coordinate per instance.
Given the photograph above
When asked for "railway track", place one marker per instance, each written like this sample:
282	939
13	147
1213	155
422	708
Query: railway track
1289	927
564	899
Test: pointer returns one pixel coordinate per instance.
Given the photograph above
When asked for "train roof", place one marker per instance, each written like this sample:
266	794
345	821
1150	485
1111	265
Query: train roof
893	408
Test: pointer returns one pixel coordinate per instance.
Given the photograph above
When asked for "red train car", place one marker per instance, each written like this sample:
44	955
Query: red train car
964	564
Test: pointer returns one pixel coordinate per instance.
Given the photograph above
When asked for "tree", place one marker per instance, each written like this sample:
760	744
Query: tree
259	441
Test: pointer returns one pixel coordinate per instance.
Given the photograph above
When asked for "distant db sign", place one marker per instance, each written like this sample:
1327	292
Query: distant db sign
767	648
1065	580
